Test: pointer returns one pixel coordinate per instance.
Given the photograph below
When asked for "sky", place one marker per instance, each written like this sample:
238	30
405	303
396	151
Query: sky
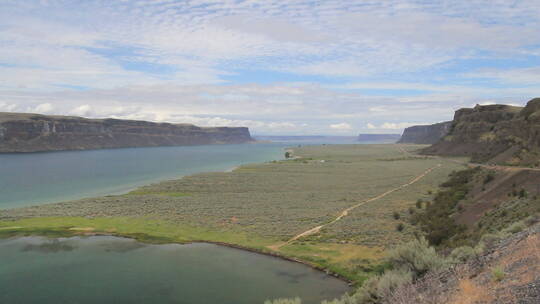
294	67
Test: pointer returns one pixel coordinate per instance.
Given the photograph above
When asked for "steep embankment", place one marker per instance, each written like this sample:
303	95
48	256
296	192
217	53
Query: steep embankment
33	133
494	134
499	134
428	134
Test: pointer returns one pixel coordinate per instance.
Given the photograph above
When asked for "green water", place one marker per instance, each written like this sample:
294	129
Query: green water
116	270
37	178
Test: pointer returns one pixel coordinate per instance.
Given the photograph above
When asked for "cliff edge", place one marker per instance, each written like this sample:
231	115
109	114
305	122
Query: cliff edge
498	134
21	132
428	134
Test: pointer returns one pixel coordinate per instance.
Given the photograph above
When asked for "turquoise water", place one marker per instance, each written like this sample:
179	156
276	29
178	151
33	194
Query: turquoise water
37	178
116	270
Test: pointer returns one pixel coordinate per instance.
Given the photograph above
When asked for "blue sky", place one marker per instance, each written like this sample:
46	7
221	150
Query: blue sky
279	67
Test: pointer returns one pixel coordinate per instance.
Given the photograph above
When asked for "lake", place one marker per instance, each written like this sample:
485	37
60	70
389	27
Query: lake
37	178
103	269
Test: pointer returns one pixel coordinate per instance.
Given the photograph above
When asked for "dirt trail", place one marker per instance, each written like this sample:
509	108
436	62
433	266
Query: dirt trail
346	211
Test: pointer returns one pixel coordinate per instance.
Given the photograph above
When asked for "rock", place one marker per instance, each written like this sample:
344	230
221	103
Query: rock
428	134
498	134
21	132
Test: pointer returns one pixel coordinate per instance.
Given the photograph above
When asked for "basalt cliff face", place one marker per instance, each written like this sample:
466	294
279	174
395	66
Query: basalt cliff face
34	133
428	134
498	134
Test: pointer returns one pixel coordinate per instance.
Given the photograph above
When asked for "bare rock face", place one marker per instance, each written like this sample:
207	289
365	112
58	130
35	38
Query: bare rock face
428	134
498	134
33	133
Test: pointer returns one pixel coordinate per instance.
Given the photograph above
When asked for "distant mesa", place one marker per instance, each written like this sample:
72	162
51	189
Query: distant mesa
386	138
425	134
498	134
22	132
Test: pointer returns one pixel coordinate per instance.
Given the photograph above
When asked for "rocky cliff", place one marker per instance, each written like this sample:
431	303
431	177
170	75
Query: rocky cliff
32	133
499	134
428	134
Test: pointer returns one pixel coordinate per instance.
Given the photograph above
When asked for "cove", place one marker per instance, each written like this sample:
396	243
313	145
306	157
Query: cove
106	269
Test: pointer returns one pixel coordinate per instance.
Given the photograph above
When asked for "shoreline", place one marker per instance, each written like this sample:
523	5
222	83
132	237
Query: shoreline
268	253
127	188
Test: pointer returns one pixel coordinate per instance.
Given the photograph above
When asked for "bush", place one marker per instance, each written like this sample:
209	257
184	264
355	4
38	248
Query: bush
284	301
522	193
411	210
515	227
489	238
416	256
498	274
392	279
400	227
463	254
437	221
288	154
396	215
419	204
531	220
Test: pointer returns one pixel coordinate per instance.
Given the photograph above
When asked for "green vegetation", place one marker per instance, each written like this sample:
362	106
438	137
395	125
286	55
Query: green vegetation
498	273
437	222
143	229
261	205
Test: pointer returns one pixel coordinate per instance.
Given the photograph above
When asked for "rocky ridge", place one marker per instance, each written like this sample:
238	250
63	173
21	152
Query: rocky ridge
498	134
427	134
21	132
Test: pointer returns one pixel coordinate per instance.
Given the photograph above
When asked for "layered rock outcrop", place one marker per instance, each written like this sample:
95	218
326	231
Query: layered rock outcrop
498	134
34	133
428	134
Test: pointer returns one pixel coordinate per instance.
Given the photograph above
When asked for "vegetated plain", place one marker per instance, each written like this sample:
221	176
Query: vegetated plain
263	206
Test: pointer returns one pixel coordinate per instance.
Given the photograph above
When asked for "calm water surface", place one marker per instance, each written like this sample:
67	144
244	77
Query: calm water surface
117	270
37	178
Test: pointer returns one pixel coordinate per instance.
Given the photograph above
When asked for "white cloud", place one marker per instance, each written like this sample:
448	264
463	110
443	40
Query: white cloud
393	125
341	126
44	108
83	110
219	62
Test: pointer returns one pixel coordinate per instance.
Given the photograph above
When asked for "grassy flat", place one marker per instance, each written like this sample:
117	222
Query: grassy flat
264	206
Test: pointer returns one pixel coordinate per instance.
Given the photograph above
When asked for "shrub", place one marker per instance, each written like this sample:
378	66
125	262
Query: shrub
411	210
396	215
462	254
284	301
392	279
489	238
498	274
522	193
515	227
400	227
437	221
531	220
416	256
419	204
288	154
